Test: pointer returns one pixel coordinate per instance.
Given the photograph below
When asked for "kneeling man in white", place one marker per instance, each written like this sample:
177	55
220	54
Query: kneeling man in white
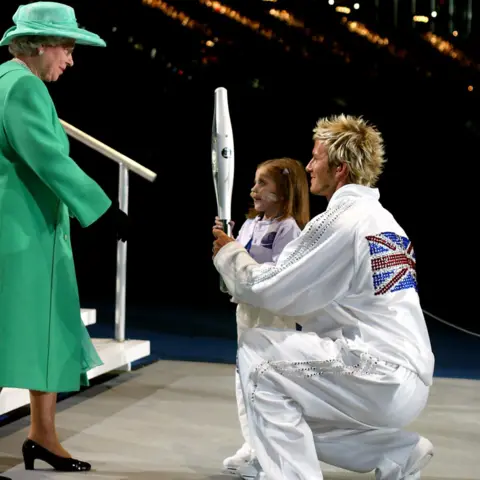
341	390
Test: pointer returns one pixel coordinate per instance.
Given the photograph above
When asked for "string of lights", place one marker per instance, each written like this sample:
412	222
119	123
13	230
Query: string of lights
178	15
268	33
290	20
445	47
188	22
359	28
254	25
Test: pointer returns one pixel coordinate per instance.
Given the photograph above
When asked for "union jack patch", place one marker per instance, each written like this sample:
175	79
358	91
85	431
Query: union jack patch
393	263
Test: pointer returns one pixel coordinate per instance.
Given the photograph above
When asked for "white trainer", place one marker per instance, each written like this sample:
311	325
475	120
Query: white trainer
421	455
243	456
419	459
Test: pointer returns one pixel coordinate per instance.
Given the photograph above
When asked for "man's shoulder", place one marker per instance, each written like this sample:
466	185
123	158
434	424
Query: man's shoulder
372	218
339	215
354	215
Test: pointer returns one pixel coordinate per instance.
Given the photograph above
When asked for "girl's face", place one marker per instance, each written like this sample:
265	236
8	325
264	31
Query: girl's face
264	193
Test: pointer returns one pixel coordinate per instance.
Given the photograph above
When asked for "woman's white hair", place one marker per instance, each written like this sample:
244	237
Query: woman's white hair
353	141
29	46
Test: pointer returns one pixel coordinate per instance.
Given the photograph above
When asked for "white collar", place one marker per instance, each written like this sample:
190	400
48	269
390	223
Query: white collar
353	190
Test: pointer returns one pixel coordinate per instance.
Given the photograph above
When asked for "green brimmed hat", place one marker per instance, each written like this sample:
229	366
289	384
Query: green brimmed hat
49	19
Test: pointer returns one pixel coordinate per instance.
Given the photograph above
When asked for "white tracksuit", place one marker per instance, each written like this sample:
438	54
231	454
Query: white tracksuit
343	388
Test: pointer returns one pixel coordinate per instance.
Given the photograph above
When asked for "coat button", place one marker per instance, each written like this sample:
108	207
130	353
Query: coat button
65	237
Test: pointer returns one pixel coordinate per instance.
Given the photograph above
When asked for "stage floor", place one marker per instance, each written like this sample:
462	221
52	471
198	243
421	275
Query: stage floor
176	420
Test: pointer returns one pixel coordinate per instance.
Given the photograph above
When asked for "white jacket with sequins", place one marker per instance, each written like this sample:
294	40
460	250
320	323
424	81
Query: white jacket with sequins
350	274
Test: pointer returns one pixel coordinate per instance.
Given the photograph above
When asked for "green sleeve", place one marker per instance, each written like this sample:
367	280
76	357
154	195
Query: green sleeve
29	127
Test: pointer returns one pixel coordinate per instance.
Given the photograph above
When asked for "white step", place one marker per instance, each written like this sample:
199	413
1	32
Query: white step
115	356
89	316
118	355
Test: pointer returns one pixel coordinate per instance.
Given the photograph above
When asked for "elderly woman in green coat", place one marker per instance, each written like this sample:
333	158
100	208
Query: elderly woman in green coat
44	346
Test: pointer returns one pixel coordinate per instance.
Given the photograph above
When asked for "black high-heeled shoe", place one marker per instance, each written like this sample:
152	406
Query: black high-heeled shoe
33	451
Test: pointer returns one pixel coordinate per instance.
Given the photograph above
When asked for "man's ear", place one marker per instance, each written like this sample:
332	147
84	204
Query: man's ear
342	171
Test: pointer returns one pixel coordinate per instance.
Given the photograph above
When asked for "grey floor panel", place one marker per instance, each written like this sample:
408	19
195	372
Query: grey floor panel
177	421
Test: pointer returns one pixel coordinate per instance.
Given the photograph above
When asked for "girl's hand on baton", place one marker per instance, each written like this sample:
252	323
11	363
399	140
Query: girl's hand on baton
219	225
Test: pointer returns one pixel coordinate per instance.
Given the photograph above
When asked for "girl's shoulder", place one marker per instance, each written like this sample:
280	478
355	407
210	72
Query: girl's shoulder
288	223
249	222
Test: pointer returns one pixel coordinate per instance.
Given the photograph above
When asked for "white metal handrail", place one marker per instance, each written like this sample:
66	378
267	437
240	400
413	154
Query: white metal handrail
125	164
109	152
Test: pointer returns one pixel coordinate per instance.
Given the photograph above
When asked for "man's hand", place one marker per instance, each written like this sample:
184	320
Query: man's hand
221	239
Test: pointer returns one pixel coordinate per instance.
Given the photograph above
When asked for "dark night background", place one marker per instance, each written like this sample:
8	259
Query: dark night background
149	95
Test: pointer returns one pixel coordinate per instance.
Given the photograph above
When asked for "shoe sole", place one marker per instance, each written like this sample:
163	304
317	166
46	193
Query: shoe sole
248	476
232	471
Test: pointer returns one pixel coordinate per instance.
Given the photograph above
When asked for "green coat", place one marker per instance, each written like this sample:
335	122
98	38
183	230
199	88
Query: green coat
44	344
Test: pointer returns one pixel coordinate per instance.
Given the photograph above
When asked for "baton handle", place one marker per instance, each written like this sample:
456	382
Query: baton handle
228	230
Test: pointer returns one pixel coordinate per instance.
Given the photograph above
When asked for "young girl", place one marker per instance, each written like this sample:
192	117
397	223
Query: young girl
280	211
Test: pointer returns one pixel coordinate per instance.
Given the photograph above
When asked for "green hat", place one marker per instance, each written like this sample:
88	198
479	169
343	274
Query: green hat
49	19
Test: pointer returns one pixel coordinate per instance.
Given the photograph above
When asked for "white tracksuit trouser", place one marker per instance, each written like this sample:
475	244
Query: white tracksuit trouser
252	317
309	398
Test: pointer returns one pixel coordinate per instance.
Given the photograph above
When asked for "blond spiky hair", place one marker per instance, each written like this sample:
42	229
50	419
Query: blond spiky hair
353	141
